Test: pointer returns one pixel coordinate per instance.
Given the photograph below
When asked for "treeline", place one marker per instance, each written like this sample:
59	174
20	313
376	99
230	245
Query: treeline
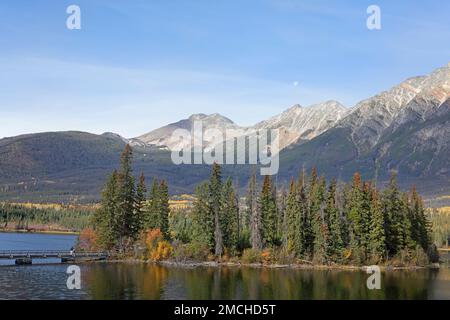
56	217
312	221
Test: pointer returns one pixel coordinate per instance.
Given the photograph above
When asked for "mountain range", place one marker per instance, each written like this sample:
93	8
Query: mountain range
296	123
406	128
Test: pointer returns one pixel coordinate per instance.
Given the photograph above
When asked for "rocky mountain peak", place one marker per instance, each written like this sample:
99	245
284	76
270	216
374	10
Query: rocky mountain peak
371	117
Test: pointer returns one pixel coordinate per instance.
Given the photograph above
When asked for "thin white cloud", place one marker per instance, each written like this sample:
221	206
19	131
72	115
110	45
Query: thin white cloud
59	95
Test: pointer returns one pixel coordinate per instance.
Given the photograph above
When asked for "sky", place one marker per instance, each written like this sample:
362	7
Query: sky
140	64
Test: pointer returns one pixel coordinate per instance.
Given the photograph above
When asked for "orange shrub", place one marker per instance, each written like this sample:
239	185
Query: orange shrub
157	248
163	251
152	237
266	256
88	240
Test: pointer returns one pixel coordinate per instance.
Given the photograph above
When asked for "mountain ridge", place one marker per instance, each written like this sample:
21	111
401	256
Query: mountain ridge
405	128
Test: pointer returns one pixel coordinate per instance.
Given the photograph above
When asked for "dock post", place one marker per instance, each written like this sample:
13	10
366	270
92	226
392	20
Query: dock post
23	261
67	259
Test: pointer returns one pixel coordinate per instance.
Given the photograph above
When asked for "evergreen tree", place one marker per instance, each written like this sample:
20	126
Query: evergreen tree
202	218
104	219
281	199
163	208
301	224
320	227
141	191
255	214
150	214
354	214
366	220
407	223
392	207
377	232
126	199
292	216
215	194
312	206
335	244
229	221
413	211
268	209
422	227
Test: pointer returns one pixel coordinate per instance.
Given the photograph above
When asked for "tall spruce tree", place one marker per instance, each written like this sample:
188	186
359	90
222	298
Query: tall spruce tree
407	223
392	207
422	225
141	191
255	214
202	217
312	206
354	214
215	195
320	227
150	214
292	216
365	220
335	244
268	209
281	199
229	221
163	208
302	225
126	198
105	220
377	232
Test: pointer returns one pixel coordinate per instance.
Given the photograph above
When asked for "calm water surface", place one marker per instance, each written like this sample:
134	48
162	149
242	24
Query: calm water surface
141	281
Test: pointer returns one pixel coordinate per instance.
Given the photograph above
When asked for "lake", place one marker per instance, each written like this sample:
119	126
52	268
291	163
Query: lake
47	279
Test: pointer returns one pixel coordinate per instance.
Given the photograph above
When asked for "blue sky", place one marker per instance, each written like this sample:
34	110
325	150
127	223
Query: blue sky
137	65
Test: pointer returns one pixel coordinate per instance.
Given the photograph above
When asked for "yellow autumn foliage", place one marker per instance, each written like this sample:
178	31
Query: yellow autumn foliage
163	251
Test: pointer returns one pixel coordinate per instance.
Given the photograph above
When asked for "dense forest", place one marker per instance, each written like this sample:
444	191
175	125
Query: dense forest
312	221
440	219
48	217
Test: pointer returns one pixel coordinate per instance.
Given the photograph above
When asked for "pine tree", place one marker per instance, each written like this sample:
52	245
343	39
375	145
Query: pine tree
377	232
202	218
150	214
422	226
141	191
335	244
407	223
229	221
281	199
365	220
105	220
414	210
392	208
312	207
268	209
215	194
126	199
292	216
163	208
255	214
320	228
354	214
302	225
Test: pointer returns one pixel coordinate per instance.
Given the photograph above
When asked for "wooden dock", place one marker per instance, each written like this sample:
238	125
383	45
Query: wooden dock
27	256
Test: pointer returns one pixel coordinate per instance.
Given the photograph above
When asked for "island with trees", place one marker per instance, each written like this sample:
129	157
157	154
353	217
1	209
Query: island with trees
312	222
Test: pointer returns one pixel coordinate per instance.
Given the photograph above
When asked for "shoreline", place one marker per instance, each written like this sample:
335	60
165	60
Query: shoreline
58	232
215	264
